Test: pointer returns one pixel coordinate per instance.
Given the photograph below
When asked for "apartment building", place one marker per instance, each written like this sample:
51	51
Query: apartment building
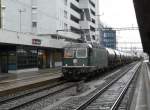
69	19
40	28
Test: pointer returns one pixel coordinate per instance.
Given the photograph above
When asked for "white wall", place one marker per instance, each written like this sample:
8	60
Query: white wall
11	17
84	4
54	20
26	39
49	16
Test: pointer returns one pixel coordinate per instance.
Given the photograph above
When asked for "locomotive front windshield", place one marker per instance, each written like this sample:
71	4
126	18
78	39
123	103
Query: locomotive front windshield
69	53
75	52
81	53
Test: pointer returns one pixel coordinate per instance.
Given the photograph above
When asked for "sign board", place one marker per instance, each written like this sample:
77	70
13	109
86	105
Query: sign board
36	41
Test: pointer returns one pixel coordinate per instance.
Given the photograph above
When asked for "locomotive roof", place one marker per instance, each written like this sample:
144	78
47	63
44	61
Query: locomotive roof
87	45
77	45
110	51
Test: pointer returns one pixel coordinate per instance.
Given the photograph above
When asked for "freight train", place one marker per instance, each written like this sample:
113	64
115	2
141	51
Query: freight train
82	60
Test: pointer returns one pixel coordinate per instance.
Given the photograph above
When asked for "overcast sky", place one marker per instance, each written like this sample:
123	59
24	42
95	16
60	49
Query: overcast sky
118	14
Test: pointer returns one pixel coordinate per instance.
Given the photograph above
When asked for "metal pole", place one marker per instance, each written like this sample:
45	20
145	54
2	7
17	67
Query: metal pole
20	19
0	14
20	12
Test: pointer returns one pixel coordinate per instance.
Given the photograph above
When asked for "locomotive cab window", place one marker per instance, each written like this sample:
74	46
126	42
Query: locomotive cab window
69	53
81	53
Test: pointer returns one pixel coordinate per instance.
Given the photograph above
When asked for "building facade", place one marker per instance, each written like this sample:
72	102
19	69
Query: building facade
25	52
109	38
34	31
66	19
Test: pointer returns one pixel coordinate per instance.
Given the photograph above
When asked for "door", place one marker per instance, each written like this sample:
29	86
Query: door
3	64
40	61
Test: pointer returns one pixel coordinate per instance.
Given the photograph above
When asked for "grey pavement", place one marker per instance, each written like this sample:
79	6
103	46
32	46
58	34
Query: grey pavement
9	76
141	99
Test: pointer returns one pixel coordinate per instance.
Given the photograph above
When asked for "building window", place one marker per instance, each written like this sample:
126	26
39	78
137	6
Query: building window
34	17
65	14
34	2
88	38
34	10
12	62
27	57
92	3
34	24
93	37
75	30
65	26
75	19
65	2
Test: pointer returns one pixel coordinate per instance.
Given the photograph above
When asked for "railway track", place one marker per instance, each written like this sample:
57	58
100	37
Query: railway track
16	95
104	98
110	96
127	99
8	87
32	99
18	100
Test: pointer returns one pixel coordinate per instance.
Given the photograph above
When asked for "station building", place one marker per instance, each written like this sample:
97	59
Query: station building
25	52
34	31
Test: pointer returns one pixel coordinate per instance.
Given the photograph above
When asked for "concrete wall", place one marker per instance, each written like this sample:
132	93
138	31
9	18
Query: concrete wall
11	15
26	39
47	17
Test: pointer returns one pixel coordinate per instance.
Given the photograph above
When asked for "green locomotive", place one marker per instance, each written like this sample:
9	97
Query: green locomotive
83	60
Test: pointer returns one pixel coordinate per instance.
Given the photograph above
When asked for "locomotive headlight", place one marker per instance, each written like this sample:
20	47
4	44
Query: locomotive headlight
75	61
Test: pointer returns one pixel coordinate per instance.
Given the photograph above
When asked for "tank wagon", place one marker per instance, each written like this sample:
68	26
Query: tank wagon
83	60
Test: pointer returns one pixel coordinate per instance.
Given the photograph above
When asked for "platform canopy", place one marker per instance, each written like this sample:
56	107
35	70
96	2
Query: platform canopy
142	9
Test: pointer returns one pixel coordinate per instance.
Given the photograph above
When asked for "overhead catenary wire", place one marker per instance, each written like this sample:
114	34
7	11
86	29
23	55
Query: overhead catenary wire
56	18
105	29
98	29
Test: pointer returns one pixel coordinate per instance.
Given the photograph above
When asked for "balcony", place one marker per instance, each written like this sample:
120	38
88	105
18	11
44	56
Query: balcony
92	3
75	14
86	24
84	4
74	22
34	3
92	8
70	35
75	3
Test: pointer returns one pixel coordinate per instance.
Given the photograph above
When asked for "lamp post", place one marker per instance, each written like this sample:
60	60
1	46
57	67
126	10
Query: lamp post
20	14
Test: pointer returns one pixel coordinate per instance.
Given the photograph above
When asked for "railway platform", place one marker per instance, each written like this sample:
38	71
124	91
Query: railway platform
10	83
141	100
